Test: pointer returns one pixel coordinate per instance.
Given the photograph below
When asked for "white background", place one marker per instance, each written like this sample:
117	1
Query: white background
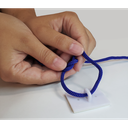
110	30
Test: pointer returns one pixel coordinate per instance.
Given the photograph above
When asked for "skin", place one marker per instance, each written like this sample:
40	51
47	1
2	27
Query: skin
51	39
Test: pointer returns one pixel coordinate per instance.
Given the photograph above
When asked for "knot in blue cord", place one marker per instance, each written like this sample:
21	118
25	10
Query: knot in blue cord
71	64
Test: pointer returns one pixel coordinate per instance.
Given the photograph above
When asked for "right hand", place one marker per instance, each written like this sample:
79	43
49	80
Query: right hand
16	42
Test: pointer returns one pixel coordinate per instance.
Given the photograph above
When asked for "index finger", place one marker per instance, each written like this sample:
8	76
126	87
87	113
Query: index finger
80	34
77	30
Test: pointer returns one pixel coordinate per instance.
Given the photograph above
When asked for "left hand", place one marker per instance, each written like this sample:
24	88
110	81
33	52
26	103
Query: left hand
59	30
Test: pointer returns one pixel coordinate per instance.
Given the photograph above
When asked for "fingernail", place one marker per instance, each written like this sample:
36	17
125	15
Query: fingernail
76	49
59	63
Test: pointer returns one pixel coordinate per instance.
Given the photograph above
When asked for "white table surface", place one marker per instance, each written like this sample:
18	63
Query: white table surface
110	29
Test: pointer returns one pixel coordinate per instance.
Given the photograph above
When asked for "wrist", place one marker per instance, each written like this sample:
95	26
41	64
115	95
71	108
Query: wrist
22	14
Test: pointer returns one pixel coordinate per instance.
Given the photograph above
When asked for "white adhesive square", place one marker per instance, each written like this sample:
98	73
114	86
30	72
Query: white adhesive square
82	104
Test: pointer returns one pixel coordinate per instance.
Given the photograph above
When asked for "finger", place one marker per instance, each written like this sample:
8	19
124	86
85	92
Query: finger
77	32
74	28
57	75
59	41
32	46
92	41
66	56
89	49
79	64
36	75
84	40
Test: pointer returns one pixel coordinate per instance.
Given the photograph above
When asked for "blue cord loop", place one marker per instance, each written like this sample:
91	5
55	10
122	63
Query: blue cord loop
70	66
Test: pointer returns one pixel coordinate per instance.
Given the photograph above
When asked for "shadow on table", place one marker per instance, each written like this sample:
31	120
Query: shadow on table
7	88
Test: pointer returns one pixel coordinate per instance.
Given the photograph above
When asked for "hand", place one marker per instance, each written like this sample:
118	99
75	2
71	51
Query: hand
16	42
64	32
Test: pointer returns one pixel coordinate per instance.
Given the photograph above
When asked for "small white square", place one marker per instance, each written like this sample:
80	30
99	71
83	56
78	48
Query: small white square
79	104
